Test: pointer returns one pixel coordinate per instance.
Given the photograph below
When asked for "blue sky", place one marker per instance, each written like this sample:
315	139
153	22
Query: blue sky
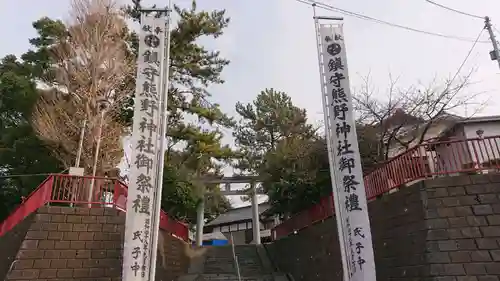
271	43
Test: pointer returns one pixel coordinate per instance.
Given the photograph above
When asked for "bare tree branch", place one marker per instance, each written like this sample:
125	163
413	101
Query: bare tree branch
92	64
404	118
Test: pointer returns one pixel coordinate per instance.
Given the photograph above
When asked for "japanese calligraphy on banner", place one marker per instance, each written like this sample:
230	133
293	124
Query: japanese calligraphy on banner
145	139
349	188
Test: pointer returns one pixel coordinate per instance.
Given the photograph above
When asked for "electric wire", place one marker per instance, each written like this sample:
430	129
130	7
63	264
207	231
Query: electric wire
496	29
465	59
31	175
369	18
453	10
458	70
24	175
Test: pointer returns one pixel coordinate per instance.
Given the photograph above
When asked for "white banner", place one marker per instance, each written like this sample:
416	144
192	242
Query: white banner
145	139
349	188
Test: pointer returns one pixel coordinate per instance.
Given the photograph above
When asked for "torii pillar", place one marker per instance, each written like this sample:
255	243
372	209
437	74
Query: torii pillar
227	181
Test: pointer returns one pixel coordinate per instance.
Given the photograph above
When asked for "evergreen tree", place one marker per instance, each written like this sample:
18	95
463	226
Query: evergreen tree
270	118
22	155
194	150
277	144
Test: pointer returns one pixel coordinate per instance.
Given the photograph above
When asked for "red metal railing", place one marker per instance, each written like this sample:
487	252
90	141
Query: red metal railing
74	191
174	227
432	159
35	200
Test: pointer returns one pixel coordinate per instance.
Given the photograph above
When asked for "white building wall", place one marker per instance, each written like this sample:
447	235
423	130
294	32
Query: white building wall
431	133
451	157
487	149
455	156
490	129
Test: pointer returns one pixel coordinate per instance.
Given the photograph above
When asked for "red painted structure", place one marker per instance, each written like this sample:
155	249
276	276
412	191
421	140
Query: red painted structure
427	160
67	190
432	159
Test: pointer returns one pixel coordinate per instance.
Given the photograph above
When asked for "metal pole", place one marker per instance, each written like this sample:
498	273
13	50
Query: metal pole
338	214
161	151
255	215
487	23
80	144
96	157
77	160
235	257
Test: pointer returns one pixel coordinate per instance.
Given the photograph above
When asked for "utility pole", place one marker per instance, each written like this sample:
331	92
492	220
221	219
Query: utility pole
495	54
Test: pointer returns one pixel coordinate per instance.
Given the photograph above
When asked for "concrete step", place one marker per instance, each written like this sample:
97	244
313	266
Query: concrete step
219	261
218	264
249	261
232	277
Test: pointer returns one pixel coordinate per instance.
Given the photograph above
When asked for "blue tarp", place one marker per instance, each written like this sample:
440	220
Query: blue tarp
215	243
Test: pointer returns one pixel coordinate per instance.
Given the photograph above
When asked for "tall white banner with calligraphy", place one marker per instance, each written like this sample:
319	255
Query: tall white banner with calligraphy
145	139
349	189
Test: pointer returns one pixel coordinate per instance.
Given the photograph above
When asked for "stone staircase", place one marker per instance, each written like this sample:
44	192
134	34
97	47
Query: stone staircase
219	260
249	261
218	263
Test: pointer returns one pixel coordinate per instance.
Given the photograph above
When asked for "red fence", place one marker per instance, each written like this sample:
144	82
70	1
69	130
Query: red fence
432	159
74	191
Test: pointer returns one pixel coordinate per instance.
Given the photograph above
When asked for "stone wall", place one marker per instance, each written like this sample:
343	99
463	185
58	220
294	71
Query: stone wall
174	256
10	243
445	229
84	244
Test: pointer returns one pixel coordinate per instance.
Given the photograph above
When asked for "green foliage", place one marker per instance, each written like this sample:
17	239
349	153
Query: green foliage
193	69
273	137
277	144
296	174
181	194
369	147
271	118
21	152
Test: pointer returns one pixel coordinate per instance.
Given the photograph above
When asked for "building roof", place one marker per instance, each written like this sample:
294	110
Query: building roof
470	120
406	124
480	119
237	214
214	236
400	117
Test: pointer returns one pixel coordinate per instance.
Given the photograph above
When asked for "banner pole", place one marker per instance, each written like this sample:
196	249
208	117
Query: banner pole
336	203
162	135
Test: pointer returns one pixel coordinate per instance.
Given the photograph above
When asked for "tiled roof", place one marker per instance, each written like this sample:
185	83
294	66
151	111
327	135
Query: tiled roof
237	214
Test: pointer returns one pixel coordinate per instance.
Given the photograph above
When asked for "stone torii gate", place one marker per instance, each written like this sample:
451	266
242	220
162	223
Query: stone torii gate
227	181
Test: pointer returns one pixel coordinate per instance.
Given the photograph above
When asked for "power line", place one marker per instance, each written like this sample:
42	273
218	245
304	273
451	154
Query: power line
32	175
364	17
466	58
453	10
496	29
24	175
